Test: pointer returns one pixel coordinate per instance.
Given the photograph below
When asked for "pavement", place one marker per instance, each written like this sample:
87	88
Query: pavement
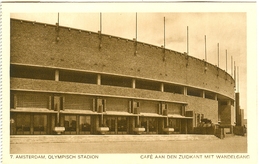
125	144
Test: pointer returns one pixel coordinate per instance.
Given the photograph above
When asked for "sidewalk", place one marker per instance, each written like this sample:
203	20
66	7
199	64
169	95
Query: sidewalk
121	144
104	138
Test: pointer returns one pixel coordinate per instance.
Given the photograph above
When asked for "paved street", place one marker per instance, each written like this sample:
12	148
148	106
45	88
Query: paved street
235	144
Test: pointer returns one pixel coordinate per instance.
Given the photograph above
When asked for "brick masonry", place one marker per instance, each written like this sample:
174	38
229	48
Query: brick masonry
36	44
48	46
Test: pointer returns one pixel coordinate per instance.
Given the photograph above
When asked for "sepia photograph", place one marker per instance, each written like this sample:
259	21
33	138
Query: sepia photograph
141	85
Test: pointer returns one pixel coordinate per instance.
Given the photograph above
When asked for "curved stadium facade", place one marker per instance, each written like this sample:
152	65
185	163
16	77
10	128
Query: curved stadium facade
72	81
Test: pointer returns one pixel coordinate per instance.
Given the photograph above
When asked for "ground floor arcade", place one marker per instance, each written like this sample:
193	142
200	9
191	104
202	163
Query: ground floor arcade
27	123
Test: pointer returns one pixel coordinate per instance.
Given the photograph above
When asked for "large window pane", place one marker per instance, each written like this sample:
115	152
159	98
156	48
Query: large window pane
144	124
70	123
23	123
84	125
110	122
121	125
152	125
175	123
40	124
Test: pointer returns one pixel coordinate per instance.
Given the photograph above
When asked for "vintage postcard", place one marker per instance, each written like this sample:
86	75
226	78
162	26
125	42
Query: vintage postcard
147	82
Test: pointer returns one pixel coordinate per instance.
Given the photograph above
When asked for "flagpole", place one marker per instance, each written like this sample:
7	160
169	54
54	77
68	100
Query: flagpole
205	48
164	32
188	40
58	18
218	54
238	79
235	75
136	26
232	66
226	60
100	22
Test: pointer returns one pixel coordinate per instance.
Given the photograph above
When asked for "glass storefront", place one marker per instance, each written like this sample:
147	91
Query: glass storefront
122	125
28	123
43	124
40	124
116	124
23	124
110	122
84	124
70	124
150	125
176	124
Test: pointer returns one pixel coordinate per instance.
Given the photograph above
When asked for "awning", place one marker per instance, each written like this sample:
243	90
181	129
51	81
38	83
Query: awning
75	111
33	110
117	113
178	116
151	115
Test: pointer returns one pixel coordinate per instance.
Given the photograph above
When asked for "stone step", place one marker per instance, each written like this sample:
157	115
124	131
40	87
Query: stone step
16	139
229	135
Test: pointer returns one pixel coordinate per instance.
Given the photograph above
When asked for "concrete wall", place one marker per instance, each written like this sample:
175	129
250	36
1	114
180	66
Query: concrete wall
205	106
226	113
148	106
36	44
78	102
32	100
174	108
117	104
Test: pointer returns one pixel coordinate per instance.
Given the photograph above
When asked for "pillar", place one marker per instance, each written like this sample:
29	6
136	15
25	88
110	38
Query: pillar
162	87
229	102
77	122
147	125
185	91
98	79
133	83
31	123
203	94
195	119
97	122
138	122
216	97
57	75
15	101
186	126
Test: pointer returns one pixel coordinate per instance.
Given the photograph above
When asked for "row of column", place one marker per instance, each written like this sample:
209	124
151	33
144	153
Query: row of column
185	89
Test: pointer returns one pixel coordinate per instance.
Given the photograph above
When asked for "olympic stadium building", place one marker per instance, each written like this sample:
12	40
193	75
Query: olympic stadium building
75	82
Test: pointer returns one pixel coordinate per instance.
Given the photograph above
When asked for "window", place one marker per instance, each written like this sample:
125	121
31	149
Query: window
39	124
152	125
31	72
121	124
70	123
23	123
84	124
100	105
175	123
58	103
110	122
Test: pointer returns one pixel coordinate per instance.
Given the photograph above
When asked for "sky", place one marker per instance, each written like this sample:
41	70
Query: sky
229	29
